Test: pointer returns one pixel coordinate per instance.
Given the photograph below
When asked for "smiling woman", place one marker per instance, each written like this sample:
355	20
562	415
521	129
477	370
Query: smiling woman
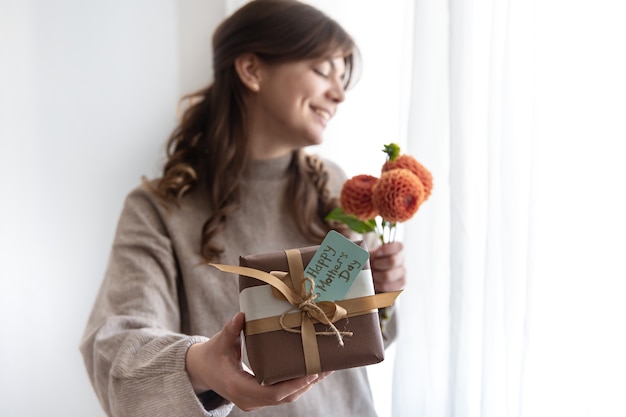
164	334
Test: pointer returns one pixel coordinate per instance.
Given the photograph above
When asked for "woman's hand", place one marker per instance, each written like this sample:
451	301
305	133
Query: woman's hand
216	365
387	263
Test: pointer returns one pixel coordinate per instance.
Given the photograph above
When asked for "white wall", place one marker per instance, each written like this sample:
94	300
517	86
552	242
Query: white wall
88	94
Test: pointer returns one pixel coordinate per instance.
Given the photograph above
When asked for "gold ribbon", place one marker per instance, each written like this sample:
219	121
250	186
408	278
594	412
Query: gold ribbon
309	311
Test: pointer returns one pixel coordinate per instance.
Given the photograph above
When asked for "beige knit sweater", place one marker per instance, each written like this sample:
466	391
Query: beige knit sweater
157	298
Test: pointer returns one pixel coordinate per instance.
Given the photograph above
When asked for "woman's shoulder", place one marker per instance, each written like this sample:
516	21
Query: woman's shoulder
144	205
143	193
147	194
141	201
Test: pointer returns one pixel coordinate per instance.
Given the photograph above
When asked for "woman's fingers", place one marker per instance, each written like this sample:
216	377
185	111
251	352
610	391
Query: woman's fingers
289	391
251	396
390	280
299	393
388	271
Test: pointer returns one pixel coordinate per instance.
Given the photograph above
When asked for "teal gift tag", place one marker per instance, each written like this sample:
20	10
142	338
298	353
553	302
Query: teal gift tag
334	266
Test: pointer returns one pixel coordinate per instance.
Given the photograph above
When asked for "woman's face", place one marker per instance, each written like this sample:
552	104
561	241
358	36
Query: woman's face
295	102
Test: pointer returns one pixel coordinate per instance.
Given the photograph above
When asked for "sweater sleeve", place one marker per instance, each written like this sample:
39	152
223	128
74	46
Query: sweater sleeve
133	347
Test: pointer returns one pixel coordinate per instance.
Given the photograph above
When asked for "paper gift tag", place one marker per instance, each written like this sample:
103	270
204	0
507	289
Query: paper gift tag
335	266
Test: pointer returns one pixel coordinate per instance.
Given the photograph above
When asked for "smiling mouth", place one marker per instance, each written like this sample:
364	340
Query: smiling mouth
324	114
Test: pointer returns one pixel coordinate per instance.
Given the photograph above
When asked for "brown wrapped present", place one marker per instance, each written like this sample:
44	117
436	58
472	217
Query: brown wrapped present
289	335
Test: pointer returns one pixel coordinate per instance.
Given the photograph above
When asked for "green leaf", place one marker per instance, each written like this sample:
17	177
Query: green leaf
392	150
351	221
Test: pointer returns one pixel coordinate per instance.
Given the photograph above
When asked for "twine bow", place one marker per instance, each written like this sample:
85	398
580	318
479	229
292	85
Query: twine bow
314	310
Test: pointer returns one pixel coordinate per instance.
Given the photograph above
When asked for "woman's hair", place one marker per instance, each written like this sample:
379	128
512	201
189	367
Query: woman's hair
209	146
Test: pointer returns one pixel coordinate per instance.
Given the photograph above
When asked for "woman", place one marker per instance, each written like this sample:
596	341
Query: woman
236	182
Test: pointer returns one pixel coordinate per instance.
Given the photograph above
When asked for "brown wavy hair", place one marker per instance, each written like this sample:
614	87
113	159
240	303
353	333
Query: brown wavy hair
210	147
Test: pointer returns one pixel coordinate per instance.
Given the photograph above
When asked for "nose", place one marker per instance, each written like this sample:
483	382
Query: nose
337	92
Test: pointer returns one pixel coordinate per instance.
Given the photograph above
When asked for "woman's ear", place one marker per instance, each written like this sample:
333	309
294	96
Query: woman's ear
248	67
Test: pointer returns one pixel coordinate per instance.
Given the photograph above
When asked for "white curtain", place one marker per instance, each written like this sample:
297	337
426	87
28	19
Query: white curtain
513	304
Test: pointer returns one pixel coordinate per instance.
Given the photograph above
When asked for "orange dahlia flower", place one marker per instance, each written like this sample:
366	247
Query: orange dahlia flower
398	194
409	162
356	197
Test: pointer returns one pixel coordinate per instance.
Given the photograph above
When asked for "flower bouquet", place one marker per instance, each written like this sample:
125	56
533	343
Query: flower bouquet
370	204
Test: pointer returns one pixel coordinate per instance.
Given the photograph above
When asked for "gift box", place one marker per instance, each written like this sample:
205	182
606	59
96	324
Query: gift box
289	335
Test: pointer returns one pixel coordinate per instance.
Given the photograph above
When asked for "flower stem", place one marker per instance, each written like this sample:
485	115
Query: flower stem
380	231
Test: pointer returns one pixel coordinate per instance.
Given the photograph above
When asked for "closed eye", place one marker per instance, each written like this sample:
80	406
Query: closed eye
321	73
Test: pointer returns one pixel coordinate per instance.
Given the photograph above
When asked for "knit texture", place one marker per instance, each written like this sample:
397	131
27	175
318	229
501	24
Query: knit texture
158	297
